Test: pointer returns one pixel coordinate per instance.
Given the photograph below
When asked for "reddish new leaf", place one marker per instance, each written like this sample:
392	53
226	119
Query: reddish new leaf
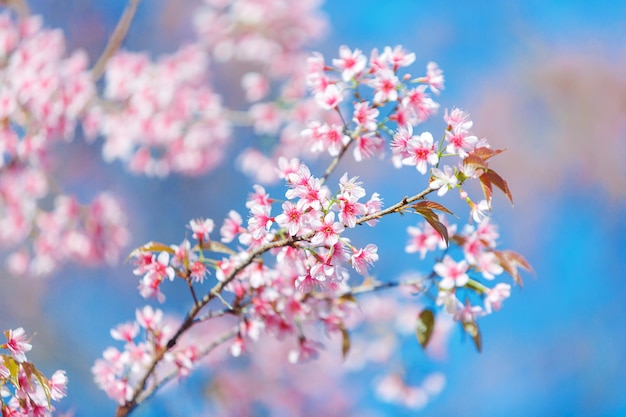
485	184
510	261
433	205
486	153
425	208
499	182
476	162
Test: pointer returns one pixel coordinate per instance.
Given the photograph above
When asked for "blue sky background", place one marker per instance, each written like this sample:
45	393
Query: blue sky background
558	347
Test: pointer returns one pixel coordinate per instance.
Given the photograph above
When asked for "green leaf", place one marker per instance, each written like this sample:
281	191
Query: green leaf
14	368
471	327
151	247
217	247
425	326
30	371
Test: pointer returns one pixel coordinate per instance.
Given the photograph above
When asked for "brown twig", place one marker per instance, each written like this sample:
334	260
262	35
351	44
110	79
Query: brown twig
116	38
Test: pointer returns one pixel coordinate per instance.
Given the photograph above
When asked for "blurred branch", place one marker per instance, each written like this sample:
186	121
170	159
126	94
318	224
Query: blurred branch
20	6
116	38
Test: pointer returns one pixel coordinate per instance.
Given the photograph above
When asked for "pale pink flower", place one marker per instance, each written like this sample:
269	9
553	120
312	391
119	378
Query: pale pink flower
398	57
350	63
198	271
458	120
292	217
261	221
148	318
330	97
373	205
363	258
17	344
266	118
125	332
421	151
468	313
479	211
367	146
232	227
419	104
351	189
443	180
160	268
453	274
255	85
460	142
307	350
201	228
365	116
496	295
349	210
488	265
327	231
58	385
385	85
434	77
422	239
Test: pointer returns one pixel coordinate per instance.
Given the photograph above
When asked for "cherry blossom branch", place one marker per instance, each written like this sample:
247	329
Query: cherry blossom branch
216	291
226	336
335	162
116	39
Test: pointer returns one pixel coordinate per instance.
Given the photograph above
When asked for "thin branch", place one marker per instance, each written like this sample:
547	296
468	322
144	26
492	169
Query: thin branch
116	39
335	162
214	344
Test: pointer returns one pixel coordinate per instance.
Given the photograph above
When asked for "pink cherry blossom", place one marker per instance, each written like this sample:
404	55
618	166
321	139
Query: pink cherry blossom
398	57
350	63
292	217
365	116
496	295
443	180
421	152
385	85
434	77
231	227
452	273
201	228
327	231
17	344
255	85
363	258
330	97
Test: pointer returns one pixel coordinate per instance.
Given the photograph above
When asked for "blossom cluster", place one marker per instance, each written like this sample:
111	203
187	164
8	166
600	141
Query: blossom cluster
481	262
118	372
24	390
291	267
43	96
161	117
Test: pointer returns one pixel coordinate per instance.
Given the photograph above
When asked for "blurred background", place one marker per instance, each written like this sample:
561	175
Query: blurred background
544	79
